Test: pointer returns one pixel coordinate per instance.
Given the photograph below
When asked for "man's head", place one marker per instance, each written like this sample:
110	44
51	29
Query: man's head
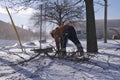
53	32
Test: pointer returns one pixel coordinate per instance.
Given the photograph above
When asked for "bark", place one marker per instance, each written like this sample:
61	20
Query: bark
90	29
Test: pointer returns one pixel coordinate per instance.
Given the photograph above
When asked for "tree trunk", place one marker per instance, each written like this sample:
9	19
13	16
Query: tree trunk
105	22
90	29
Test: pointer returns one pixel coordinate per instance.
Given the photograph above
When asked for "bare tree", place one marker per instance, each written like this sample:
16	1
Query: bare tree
59	12
56	11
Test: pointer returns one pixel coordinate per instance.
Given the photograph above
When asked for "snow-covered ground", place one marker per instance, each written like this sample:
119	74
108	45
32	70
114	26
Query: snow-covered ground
104	65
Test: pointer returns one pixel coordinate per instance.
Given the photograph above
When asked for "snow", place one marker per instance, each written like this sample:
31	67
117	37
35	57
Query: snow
104	65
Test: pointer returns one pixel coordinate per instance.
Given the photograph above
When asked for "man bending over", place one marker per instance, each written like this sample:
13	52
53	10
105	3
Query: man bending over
62	34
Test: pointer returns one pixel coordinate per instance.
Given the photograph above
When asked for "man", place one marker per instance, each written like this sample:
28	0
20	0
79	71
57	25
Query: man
62	34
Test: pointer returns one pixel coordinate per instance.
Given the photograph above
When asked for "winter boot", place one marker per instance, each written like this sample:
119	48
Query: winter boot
63	52
80	49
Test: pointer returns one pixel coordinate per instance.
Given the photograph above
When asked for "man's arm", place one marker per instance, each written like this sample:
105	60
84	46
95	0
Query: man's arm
57	41
56	35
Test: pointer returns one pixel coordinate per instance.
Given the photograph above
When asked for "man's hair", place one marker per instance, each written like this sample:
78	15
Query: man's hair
52	33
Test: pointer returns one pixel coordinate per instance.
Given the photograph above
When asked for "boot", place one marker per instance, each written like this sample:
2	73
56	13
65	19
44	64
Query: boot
80	49
63	52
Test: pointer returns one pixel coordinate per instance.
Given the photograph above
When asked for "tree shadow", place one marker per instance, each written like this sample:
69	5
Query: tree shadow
19	69
91	67
110	55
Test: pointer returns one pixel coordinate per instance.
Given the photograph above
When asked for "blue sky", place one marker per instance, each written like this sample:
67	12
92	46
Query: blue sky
22	19
113	10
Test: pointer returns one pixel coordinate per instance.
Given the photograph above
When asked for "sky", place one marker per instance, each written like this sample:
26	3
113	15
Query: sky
22	18
113	10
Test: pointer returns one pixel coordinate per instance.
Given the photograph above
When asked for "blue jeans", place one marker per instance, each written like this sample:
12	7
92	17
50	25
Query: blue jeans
70	34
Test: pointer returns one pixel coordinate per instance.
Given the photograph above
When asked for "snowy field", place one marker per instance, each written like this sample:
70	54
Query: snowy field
104	65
